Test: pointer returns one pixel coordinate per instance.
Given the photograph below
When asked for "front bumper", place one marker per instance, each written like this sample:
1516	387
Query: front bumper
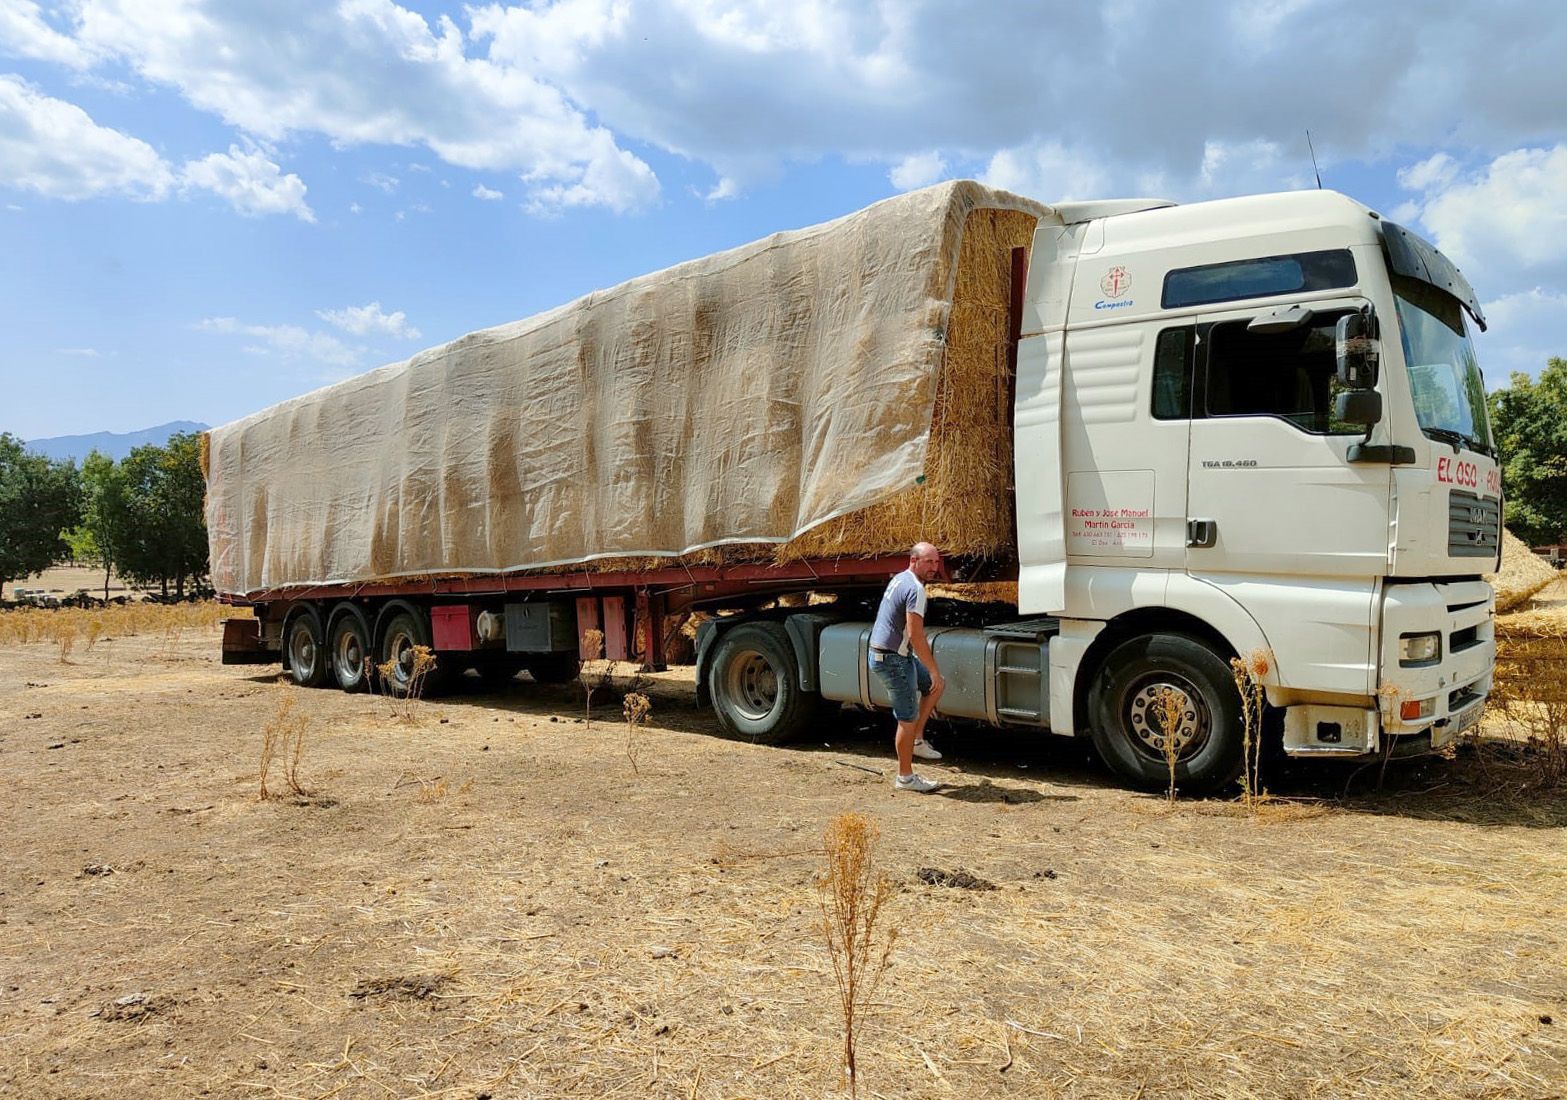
1430	703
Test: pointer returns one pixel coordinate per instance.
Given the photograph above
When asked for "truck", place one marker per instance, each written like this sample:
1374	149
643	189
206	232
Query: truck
1246	430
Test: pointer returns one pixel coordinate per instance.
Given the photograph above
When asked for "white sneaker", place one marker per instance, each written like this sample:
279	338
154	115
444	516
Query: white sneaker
925	750
914	781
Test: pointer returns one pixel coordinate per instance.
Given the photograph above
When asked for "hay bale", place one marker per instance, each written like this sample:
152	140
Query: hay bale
1523	573
965	504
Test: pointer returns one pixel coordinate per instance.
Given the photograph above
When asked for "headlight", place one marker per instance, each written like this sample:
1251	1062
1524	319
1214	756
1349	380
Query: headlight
1419	649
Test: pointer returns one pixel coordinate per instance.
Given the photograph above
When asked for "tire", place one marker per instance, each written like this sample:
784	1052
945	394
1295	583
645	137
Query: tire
348	642
401	632
307	653
754	682
553	668
1128	737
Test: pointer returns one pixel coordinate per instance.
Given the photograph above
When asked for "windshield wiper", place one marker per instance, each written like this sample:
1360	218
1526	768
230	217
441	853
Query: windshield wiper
1457	440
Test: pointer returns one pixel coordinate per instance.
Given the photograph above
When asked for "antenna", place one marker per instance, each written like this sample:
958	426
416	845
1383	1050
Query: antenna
1314	167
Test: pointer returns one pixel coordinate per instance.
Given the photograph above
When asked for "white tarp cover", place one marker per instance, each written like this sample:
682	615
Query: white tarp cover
743	397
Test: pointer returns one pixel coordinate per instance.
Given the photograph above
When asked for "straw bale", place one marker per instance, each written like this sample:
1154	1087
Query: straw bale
964	504
1523	573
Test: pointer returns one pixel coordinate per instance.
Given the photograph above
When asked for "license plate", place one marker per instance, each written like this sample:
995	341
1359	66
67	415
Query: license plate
1467	718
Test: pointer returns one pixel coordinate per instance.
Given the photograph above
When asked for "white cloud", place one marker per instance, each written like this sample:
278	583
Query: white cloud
355	208
1504	223
55	149
251	183
367	319
81	353
381	181
1526	329
1048	171
25	33
369	72
918	170
487	194
290	341
725	188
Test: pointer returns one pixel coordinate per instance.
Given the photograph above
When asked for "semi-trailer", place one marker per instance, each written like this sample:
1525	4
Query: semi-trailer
1252	426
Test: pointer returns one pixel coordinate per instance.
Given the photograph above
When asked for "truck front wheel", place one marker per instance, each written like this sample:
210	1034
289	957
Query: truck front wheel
754	681
1124	708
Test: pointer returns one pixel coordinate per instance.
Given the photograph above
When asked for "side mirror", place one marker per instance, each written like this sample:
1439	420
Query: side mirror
1363	407
1355	342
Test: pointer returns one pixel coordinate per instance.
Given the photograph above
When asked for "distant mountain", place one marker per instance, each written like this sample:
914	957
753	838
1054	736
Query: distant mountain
114	444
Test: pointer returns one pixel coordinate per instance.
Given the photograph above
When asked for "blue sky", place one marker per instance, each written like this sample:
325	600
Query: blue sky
207	207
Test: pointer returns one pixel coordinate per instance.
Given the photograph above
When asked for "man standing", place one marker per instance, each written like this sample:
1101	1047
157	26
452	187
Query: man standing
900	655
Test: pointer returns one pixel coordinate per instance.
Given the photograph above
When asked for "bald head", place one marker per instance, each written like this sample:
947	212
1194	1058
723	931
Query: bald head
925	561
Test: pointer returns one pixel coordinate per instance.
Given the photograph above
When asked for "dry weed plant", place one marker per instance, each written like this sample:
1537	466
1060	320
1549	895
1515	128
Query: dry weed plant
284	735
1249	672
406	705
94	631
1170	705
636	706
67	643
595	673
853	895
433	790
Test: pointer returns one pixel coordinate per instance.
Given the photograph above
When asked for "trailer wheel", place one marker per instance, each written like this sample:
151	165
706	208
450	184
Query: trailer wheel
402	632
1126	730
554	668
754	681
307	654
348	639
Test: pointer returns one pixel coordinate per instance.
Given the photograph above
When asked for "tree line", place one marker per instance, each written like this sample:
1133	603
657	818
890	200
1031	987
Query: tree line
140	517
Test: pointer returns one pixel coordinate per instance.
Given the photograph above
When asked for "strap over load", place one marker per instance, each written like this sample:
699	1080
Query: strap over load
838	389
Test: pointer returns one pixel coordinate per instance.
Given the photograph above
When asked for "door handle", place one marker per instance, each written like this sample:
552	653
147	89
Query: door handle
1202	533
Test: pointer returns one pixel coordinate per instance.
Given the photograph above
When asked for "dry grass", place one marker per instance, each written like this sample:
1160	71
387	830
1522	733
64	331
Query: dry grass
406	705
853	894
1170	705
284	735
1400	946
31	626
1249	672
595	672
636	706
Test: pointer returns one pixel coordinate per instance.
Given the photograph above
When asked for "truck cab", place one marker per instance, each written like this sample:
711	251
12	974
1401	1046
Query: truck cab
1246	430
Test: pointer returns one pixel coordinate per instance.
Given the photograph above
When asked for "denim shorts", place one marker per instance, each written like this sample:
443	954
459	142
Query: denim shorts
905	679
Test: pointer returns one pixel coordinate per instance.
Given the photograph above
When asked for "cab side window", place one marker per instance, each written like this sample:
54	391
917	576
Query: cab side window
1289	375
1172	373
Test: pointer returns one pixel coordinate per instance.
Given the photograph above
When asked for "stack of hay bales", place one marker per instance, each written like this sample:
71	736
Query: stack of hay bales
1523	573
837	391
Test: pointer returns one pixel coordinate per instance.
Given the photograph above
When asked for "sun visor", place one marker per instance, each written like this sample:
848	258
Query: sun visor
1413	256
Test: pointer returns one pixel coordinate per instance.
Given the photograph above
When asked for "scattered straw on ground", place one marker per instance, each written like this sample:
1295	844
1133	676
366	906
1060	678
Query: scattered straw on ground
1523	573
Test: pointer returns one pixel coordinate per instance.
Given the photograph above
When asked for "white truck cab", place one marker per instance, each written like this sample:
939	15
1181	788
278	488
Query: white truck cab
1258	423
1251	429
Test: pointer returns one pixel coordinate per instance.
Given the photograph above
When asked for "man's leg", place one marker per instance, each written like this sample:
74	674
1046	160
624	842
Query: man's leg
903	741
928	698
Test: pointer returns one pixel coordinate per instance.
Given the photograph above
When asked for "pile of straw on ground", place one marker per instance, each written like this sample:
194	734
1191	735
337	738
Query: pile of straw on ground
1523	573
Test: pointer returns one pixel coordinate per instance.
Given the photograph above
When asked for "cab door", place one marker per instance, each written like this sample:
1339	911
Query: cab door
1278	517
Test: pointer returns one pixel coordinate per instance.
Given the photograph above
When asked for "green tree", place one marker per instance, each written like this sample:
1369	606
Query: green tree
100	534
164	537
1530	421
38	500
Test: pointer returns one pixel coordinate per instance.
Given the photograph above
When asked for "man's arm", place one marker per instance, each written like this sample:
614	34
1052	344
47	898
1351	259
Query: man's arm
914	625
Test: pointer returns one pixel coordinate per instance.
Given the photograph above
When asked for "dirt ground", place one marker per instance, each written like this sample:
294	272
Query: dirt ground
491	902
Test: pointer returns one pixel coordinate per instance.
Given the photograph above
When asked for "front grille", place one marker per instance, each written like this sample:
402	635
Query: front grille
1474	525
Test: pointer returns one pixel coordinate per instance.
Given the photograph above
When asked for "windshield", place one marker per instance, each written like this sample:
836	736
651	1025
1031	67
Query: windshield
1444	374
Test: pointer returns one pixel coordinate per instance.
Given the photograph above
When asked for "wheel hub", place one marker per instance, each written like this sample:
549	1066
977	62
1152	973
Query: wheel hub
753	686
1166	711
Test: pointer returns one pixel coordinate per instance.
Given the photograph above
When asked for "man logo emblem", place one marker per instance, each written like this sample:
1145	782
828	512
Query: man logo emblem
1116	282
